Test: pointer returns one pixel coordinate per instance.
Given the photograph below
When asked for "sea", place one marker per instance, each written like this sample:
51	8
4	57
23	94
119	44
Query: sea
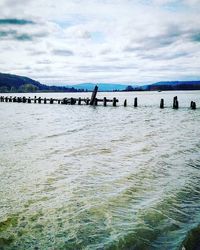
94	177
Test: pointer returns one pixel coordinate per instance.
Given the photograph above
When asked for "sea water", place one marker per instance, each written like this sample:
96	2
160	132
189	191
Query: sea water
84	177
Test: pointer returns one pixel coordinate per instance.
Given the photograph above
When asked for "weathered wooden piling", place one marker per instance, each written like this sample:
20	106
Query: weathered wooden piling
175	103
51	100
95	102
135	102
29	100
39	100
59	101
79	101
104	102
45	100
6	99
72	101
24	99
19	99
64	101
114	102
193	105
35	99
125	103
94	93
162	103
14	99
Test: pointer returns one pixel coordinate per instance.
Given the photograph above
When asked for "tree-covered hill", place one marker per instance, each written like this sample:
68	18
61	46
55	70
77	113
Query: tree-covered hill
13	83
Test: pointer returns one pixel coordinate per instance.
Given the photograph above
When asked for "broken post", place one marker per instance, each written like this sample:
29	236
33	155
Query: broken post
104	102
175	102
125	103
135	102
96	102
162	103
193	105
93	97
114	102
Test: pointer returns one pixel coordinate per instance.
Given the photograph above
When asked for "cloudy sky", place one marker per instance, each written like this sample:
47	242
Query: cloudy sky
123	41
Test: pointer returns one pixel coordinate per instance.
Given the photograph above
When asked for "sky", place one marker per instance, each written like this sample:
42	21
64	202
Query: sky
111	41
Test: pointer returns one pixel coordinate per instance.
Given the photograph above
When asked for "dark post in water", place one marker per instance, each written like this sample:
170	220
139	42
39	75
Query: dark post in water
175	103
93	97
125	103
162	103
135	102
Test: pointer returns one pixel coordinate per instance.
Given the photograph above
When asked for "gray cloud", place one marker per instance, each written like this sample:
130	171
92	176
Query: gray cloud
62	52
14	21
5	34
14	35
163	56
196	37
106	68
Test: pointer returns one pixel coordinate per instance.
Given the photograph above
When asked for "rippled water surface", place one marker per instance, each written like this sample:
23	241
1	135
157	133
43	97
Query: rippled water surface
82	177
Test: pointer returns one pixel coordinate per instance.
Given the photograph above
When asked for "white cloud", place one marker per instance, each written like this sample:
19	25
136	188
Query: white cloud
110	41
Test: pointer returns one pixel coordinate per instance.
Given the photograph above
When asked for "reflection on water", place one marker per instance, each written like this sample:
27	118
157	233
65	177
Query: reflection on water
81	177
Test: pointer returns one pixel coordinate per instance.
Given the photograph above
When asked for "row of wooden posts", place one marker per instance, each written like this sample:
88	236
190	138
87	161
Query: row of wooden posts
71	100
86	101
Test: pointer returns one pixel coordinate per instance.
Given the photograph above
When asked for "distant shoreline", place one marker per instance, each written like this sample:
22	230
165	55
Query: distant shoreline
100	91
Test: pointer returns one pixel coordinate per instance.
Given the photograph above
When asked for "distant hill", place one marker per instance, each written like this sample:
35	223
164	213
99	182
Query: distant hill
13	83
175	85
101	86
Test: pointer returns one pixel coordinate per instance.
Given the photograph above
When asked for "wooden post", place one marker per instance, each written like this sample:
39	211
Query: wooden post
10	99
45	100
135	102
6	99
87	101
24	99
175	103
39	100
58	101
51	100
193	105
35	99
14	99
95	102
162	103
64	101
79	101
29	100
114	102
94	93
19	99
104	102
72	101
125	103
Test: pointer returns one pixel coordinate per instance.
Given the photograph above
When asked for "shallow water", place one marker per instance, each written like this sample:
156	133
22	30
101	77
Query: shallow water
81	177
